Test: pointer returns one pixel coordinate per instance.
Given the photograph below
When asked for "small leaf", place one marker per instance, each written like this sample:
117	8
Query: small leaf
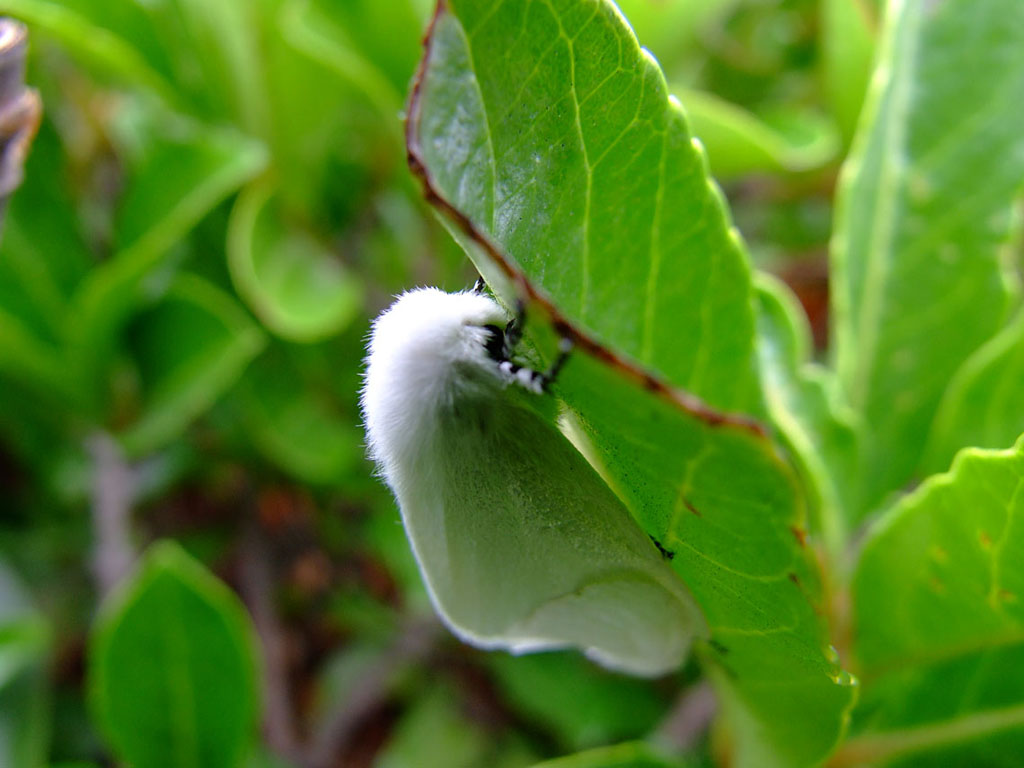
42	254
299	289
379	60
297	428
111	37
848	32
984	404
435	733
939	612
27	358
580	703
739	142
674	30
172	667
24	677
629	755
215	50
191	348
800	396
923	213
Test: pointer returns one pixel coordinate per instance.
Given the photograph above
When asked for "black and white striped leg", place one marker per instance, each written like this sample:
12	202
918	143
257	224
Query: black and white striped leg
538	381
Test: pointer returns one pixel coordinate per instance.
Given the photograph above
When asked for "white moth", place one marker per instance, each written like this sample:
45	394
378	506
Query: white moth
521	544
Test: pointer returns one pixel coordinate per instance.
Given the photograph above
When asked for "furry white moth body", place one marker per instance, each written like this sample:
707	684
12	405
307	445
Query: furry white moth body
521	545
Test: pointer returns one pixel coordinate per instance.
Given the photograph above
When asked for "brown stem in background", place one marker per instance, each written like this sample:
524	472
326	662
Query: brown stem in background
20	109
256	584
688	719
113	493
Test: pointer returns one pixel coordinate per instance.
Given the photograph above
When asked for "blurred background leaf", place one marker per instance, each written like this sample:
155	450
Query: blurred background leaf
172	670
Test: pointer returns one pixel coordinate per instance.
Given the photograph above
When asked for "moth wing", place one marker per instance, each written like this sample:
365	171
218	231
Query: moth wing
523	546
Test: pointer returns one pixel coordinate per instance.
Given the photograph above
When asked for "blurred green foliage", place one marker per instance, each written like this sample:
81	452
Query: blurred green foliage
216	204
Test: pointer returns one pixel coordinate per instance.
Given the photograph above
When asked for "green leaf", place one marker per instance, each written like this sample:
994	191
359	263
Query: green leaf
111	37
32	361
940	619
581	704
567	147
800	396
848	32
297	428
215	51
172	667
24	677
923	212
298	288
565	152
181	176
42	255
673	29
739	142
629	755
984	404
379	60
719	498
434	734
190	349
42	258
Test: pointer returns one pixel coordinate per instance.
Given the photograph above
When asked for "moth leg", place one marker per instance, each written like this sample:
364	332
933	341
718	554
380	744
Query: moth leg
514	328
479	285
565	345
538	381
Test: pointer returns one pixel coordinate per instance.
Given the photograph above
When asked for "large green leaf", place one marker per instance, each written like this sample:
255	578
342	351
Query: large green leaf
24	677
172	667
940	620
924	208
551	142
567	149
189	349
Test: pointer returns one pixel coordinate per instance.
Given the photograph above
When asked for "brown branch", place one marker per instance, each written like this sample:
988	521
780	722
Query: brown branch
256	585
113	494
20	108
688	719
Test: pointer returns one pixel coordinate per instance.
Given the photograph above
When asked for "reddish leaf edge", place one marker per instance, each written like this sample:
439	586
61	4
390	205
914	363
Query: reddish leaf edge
685	401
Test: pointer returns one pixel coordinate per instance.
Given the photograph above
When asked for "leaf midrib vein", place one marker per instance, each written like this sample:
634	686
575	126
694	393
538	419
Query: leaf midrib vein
884	220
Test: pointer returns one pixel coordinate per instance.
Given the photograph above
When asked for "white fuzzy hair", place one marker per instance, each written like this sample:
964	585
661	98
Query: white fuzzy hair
425	350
